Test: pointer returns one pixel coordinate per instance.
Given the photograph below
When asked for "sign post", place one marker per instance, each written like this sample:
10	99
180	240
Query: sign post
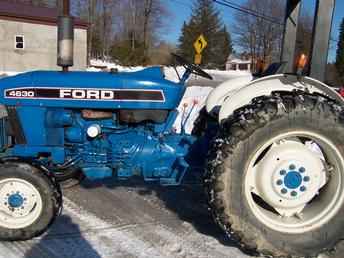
199	45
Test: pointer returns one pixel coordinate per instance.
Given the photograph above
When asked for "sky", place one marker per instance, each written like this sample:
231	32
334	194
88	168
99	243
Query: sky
181	9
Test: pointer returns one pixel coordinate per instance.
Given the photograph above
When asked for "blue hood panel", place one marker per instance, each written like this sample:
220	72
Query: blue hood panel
146	89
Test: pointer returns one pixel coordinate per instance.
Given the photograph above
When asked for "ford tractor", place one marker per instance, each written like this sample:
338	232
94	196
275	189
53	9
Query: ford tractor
273	147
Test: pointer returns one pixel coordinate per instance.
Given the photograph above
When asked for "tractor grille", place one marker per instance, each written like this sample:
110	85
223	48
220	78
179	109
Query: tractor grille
4	138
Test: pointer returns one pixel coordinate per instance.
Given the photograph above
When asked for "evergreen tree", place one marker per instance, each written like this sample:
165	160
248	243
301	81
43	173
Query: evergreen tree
340	52
224	48
205	19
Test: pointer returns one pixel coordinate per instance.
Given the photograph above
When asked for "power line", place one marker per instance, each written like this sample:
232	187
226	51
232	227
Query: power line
240	8
248	11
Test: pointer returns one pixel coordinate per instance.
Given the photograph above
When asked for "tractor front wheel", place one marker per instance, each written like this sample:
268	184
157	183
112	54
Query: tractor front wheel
29	201
275	177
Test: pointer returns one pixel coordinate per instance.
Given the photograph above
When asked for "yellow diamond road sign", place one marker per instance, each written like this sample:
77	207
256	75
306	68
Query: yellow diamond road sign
200	44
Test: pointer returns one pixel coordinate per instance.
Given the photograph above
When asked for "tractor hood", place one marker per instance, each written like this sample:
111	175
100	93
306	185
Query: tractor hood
145	89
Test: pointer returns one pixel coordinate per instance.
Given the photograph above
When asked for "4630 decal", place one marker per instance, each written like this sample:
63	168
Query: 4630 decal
21	93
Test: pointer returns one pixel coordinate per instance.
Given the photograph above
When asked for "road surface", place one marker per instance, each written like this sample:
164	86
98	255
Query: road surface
130	219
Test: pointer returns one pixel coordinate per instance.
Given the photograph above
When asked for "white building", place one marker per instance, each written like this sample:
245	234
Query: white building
237	64
28	38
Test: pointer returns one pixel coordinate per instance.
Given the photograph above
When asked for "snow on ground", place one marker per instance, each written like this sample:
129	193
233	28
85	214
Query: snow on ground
219	74
192	102
99	63
5	74
136	230
169	71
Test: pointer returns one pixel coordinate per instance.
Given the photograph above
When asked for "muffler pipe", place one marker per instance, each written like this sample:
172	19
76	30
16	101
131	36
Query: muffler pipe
65	46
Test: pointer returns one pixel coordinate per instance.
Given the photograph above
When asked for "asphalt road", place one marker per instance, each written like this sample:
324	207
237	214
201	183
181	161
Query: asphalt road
130	219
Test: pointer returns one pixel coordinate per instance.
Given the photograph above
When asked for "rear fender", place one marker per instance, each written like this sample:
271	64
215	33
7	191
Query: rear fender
217	95
265	86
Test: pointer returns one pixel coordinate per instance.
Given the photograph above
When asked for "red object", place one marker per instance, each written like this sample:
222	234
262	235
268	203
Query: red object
341	91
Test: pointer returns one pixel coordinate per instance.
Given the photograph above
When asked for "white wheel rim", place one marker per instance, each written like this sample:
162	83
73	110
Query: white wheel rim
305	211
20	203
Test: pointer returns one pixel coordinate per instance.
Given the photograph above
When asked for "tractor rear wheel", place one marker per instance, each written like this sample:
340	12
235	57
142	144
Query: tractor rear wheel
200	124
275	177
29	201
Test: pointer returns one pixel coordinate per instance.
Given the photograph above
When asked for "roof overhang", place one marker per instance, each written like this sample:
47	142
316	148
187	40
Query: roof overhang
32	14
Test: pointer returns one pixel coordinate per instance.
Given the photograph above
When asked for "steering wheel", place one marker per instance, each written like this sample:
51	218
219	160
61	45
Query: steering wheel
195	69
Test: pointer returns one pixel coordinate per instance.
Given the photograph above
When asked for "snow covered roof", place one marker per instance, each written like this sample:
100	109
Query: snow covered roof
238	61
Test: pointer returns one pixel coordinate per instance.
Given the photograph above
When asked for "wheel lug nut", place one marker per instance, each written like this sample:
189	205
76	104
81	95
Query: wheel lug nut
303	188
283	172
284	191
306	179
302	169
293	193
292	166
279	182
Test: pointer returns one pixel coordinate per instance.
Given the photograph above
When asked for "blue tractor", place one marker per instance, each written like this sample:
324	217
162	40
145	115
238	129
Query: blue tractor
54	124
274	173
278	151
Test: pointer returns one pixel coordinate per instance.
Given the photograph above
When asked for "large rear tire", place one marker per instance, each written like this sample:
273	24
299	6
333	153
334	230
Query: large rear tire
200	124
29	201
275	177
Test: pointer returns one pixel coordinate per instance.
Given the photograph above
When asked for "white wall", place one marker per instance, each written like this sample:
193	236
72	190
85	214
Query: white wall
40	47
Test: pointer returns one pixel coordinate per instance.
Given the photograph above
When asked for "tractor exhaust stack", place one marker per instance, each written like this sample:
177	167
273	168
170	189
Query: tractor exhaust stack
65	45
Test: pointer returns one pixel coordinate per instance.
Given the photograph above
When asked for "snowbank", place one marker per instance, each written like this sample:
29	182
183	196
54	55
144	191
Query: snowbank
191	104
228	74
96	64
170	72
5	74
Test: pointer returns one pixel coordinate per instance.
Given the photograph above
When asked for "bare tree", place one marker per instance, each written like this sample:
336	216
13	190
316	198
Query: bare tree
148	6
133	23
260	37
139	22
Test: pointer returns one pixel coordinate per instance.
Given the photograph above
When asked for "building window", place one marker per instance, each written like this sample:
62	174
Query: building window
19	42
243	67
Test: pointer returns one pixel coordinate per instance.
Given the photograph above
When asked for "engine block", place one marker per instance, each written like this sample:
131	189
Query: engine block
102	145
